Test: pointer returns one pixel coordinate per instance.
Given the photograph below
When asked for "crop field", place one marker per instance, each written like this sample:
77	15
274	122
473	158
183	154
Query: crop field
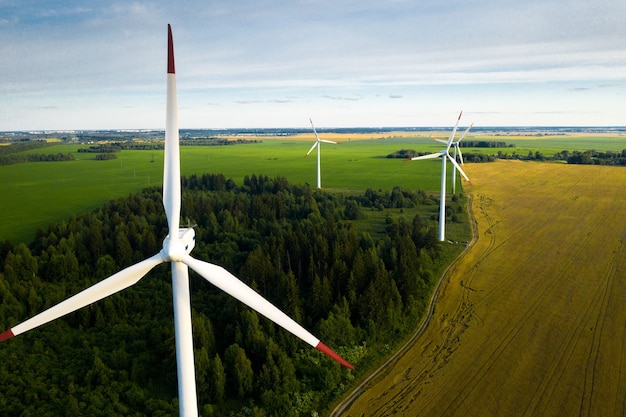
35	194
531	321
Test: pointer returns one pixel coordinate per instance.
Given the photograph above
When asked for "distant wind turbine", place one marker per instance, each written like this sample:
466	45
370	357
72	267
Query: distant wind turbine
318	144
176	248
457	147
445	156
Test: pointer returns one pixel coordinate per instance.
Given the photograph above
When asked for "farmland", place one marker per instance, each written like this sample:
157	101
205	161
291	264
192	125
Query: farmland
531	320
523	321
35	194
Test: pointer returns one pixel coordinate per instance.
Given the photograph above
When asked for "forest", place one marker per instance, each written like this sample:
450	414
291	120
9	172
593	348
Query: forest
595	157
13	153
360	292
35	157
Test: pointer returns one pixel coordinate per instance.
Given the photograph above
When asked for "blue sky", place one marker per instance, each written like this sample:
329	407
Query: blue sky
259	63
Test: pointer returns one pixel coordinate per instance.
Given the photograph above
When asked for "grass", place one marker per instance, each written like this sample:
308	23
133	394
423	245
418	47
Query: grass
531	319
36	194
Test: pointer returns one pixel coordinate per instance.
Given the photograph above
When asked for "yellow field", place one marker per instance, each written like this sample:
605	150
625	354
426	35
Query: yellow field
532	320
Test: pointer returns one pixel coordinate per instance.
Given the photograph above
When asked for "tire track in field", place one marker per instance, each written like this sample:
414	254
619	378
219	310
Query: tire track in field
564	355
386	367
457	324
538	300
452	330
455	327
598	333
621	384
600	301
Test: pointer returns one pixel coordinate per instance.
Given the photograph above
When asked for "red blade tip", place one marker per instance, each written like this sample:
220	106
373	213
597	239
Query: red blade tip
329	352
6	335
170	51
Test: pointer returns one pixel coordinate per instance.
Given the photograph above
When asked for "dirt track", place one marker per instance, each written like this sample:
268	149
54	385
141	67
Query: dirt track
532	321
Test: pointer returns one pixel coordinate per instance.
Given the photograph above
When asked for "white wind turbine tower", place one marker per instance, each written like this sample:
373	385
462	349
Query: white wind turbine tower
319	145
457	147
445	156
176	248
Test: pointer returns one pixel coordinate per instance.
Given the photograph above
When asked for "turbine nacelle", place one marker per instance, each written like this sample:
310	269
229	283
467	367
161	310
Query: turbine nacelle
174	250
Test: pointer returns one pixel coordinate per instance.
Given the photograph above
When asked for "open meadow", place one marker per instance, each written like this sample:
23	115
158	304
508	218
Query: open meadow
531	321
35	194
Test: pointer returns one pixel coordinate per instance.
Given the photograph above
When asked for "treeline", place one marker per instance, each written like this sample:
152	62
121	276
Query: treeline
111	147
590	157
22	146
404	154
296	246
23	158
469	157
594	157
102	148
105	156
478	157
468	143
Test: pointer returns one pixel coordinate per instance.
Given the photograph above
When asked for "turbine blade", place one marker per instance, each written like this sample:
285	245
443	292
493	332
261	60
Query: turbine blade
115	283
314	131
457	166
328	141
441	141
451	138
312	147
465	133
429	156
460	155
230	284
171	169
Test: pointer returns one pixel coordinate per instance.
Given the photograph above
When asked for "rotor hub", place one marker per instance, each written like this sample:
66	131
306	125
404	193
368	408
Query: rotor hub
173	250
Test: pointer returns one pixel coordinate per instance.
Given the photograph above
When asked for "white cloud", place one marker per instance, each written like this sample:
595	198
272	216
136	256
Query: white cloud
265	53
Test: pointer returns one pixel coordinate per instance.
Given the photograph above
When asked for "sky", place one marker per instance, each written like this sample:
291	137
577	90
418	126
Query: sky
75	65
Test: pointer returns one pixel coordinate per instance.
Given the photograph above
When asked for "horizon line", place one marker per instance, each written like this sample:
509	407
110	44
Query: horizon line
328	128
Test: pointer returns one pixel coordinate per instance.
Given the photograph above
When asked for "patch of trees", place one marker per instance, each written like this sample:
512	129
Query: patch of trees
102	148
216	141
478	157
293	244
595	157
403	154
111	147
468	143
23	158
589	157
531	156
105	156
26	145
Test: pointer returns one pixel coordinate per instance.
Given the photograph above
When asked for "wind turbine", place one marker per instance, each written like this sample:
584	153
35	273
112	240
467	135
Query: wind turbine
444	155
176	250
457	147
318	144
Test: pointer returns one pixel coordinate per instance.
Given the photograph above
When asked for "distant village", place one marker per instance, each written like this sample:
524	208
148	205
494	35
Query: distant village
95	136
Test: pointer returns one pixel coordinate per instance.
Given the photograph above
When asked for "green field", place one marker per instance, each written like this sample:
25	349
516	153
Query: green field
35	194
